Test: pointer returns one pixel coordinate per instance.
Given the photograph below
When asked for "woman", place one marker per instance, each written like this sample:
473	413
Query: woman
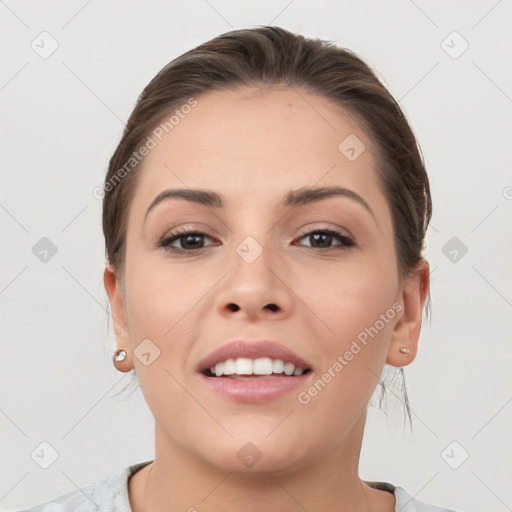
264	217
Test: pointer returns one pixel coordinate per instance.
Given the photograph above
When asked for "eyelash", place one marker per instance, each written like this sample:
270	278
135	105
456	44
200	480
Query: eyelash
346	242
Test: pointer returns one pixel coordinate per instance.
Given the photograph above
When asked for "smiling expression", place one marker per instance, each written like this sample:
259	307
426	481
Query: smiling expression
260	173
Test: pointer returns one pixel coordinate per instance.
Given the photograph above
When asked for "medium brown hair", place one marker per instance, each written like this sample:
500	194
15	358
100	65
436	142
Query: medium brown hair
272	56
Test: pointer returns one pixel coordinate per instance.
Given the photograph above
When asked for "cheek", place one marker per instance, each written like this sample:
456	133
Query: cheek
355	304
160	295
349	297
357	316
159	307
160	304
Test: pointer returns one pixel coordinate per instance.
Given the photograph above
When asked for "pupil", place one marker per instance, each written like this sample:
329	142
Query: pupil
322	235
189	237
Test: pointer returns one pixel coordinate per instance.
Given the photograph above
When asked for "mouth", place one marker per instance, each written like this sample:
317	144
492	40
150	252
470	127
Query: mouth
254	389
254	372
263	357
254	369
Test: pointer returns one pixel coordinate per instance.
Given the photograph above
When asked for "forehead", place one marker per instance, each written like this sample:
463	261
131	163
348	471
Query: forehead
259	143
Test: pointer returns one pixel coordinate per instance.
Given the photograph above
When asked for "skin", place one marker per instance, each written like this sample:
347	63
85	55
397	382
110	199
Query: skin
253	146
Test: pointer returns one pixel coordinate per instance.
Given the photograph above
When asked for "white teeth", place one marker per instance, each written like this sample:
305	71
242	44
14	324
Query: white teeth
219	369
278	366
229	367
261	366
243	366
289	368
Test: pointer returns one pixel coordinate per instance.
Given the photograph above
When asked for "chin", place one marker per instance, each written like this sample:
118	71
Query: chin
260	456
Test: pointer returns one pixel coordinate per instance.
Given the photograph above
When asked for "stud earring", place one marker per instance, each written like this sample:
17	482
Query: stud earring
404	350
119	357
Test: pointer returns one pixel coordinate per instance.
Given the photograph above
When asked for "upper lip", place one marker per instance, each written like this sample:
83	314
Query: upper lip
252	350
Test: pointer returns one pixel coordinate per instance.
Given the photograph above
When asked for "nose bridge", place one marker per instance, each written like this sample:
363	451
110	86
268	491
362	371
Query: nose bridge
254	250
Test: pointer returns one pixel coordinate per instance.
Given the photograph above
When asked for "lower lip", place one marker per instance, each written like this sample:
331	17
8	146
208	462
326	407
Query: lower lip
256	390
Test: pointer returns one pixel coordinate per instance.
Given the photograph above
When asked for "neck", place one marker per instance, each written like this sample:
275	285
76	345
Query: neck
179	480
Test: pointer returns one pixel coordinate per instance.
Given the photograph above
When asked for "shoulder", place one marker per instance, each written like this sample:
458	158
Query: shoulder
107	495
405	502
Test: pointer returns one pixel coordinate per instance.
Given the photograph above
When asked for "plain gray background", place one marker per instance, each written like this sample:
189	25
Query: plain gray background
62	117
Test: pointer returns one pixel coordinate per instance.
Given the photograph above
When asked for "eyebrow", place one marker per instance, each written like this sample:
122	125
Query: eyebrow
293	198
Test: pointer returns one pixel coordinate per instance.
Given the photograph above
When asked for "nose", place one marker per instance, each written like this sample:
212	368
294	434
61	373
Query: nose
256	289
271	306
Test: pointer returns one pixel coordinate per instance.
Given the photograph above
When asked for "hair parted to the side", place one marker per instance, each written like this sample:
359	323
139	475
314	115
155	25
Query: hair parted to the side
272	56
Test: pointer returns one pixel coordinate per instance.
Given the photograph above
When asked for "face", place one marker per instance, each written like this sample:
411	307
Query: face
326	266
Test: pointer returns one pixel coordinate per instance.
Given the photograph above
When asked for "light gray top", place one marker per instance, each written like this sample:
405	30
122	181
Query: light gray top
111	495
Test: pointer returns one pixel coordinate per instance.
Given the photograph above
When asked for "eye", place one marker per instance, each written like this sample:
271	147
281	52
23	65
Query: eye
322	239
188	239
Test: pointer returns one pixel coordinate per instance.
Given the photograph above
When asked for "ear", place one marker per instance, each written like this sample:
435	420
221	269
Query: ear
119	317
412	296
